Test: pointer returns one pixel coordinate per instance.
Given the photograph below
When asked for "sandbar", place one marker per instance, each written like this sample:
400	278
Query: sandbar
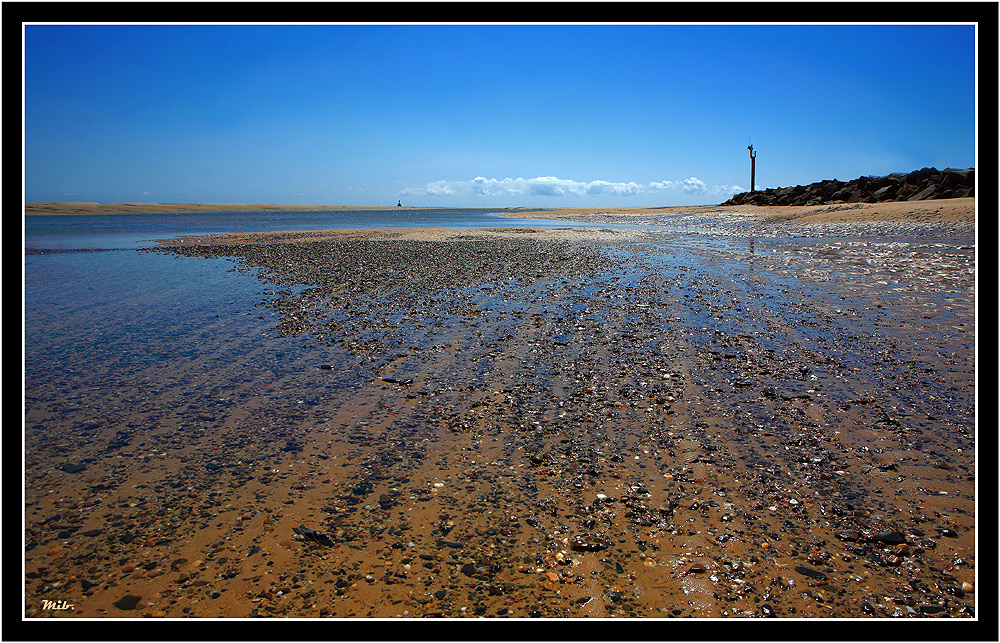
936	210
939	210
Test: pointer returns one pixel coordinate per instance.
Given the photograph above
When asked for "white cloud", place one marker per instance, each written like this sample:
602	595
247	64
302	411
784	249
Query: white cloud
438	188
551	186
695	185
617	189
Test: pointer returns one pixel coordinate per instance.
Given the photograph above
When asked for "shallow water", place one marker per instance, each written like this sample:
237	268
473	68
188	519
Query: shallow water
216	407
130	230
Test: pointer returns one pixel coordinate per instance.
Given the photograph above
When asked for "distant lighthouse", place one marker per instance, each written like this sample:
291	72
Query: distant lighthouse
753	164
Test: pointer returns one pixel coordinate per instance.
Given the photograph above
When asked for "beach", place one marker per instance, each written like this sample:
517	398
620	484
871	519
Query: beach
907	211
714	412
898	212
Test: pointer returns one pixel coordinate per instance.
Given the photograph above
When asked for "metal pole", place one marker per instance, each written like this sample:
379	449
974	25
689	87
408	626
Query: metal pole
753	163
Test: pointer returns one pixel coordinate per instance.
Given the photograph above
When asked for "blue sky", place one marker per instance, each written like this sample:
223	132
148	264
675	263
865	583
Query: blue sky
485	115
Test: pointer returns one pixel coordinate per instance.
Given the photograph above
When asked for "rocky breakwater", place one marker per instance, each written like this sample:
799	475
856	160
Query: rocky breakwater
919	185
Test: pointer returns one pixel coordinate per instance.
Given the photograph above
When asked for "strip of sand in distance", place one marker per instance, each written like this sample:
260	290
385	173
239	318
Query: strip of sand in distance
83	207
929	211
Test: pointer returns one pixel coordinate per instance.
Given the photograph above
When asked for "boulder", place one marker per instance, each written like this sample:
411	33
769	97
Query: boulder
885	193
918	185
929	192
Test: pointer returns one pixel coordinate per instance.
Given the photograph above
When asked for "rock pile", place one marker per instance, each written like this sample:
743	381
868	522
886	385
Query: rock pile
927	183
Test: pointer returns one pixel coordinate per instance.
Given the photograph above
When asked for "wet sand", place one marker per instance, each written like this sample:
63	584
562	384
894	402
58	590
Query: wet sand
580	422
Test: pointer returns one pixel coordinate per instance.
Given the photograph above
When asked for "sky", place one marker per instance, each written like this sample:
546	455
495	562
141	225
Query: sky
485	115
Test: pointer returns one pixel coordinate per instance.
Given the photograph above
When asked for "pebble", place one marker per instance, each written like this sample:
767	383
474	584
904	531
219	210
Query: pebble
891	538
314	536
589	543
812	573
127	602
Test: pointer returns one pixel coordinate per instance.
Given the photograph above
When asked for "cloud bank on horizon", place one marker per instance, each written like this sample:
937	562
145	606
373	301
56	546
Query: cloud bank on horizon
551	186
